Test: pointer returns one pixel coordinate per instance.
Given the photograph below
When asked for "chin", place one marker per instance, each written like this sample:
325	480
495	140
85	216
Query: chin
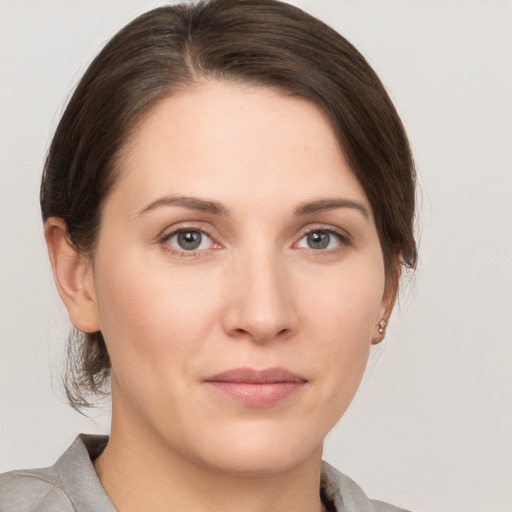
259	450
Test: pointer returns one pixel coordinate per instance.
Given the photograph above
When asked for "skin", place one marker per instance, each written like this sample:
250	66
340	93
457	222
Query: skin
254	294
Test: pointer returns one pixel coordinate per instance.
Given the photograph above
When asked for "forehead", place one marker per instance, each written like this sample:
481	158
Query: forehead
230	140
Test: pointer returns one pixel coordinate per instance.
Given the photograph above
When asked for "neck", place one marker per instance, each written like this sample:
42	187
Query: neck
140	472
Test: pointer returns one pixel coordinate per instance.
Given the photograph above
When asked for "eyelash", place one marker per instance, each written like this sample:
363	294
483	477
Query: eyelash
344	240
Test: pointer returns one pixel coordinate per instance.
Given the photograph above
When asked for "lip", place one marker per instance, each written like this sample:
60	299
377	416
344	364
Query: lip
257	388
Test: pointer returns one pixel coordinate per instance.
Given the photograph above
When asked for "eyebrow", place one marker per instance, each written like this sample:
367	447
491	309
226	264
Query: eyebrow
192	203
331	204
216	208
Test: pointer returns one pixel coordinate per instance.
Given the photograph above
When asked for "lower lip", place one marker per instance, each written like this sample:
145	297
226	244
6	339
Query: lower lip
257	394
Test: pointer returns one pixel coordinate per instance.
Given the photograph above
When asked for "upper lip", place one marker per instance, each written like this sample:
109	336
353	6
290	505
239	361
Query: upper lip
253	376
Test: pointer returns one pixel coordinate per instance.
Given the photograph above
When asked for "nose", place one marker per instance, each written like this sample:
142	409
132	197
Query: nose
262	303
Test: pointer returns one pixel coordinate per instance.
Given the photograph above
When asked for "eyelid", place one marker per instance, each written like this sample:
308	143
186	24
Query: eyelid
329	228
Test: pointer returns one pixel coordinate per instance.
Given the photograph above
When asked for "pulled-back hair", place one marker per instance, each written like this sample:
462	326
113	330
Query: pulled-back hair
258	42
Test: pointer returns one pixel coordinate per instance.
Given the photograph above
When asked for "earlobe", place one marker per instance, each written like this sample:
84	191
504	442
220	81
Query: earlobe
73	276
387	304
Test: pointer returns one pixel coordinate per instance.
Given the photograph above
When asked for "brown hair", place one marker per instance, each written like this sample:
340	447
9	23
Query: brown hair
260	42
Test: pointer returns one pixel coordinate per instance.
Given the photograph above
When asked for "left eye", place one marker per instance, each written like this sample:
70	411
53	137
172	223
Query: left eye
320	240
189	240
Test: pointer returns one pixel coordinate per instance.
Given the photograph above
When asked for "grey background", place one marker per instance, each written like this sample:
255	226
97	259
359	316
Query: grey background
430	428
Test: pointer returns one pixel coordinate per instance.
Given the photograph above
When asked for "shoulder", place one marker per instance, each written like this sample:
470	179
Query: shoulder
35	490
345	495
71	484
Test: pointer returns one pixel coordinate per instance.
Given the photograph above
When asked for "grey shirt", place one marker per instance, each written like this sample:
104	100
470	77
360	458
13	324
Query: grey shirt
71	485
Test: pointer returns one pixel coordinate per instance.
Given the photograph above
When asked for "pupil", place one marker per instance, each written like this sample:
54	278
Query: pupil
318	240
189	240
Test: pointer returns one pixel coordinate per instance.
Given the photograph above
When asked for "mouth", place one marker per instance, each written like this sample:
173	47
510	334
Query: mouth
256	388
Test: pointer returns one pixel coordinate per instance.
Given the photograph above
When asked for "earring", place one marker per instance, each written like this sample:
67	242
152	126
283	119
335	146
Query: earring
382	326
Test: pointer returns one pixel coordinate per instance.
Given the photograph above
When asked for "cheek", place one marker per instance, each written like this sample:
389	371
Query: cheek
150	315
348	303
342	321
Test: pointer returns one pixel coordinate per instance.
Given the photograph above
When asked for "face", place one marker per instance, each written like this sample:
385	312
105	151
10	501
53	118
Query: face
238	279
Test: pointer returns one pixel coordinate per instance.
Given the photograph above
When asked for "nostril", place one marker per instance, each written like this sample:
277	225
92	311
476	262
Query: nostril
260	335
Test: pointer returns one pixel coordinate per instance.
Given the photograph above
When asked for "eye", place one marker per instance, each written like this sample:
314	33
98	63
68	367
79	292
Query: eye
320	239
189	240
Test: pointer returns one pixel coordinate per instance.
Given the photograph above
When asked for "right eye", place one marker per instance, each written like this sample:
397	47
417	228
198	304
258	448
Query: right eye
189	240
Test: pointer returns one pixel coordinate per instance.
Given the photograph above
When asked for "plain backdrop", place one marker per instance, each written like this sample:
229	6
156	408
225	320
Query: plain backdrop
430	428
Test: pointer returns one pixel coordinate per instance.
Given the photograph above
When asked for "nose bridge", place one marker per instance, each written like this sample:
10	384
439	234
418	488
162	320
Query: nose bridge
262	305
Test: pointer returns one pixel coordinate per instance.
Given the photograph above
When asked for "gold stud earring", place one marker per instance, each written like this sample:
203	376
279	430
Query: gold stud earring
382	326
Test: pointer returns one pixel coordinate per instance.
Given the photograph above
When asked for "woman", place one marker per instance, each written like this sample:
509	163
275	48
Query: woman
228	201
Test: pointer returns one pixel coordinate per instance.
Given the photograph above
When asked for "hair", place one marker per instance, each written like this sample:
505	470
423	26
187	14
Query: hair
257	42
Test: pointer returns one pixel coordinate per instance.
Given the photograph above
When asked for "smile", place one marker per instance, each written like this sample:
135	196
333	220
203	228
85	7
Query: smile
257	388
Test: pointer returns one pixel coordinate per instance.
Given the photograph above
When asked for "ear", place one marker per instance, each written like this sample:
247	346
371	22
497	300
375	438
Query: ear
388	302
73	276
